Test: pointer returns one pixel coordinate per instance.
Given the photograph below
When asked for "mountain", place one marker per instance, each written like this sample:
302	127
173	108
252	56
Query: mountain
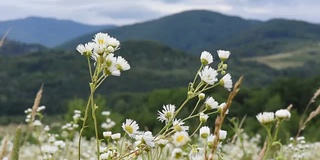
189	31
273	37
65	74
10	48
46	31
198	30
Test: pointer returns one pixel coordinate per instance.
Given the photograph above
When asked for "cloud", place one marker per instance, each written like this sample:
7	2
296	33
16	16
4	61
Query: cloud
123	12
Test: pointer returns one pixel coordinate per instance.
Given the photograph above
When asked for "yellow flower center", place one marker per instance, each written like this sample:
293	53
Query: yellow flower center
100	41
129	129
180	138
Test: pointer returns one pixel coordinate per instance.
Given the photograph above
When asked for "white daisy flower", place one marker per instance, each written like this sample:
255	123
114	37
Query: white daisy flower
223	55
85	49
122	64
203	117
180	138
162	142
148	139
107	134
211	103
208	75
204	132
226	82
99	49
177	153
167	113
37	123
116	136
206	58
222	134
283	114
177	125
130	127
101	38
265	117
222	106
113	43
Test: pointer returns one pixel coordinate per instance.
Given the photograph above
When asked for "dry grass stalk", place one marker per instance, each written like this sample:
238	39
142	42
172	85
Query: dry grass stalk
4	37
289	107
303	123
220	118
263	150
312	115
4	147
36	103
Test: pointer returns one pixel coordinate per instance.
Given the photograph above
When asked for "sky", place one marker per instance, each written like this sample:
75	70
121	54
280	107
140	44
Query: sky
124	12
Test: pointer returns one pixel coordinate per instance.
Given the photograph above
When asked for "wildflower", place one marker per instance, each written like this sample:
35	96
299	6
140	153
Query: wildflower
49	149
130	127
203	117
221	107
37	123
77	112
178	125
210	140
211	103
223	55
122	64
107	134
206	58
101	38
208	75
167	113
148	139
201	96
222	134
283	114
60	144
162	142
265	117
41	108
177	153
106	155
226	82
116	136
204	132
105	113
180	138
112	42
85	49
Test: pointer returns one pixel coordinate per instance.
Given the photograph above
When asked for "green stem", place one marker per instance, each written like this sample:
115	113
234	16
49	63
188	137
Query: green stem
194	109
93	113
269	142
277	130
196	129
85	118
195	77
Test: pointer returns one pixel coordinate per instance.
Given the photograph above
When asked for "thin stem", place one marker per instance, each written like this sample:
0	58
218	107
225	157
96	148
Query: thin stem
269	142
93	109
196	129
182	105
85	118
194	109
195	77
89	65
277	130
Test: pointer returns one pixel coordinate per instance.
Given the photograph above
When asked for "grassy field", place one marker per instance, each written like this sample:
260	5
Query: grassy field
295	58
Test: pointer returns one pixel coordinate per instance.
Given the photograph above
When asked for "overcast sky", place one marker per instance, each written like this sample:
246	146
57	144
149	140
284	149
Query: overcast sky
121	12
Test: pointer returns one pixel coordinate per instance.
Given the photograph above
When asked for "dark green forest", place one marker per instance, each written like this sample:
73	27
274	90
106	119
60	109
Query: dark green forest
162	67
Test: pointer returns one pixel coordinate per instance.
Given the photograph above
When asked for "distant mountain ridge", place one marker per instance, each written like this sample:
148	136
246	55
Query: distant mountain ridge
46	31
198	30
189	30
